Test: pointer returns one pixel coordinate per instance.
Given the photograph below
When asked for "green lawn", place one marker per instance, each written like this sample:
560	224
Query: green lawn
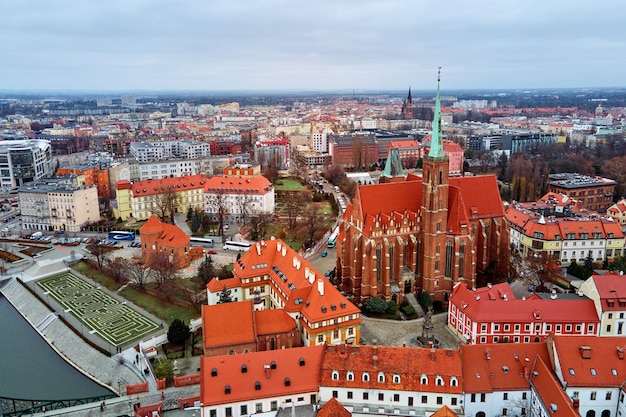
289	184
161	308
99	277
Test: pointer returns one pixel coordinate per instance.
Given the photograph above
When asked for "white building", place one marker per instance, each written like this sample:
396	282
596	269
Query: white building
24	161
238	197
184	149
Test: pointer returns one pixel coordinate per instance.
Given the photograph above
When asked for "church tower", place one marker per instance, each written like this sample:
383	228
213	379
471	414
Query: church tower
434	211
407	107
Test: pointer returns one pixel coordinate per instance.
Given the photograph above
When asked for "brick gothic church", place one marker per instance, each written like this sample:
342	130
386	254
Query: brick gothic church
417	234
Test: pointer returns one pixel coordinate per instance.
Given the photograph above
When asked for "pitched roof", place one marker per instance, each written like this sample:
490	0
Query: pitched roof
410	364
498	304
444	411
174	184
169	234
152	225
612	291
238	185
218	328
333	408
217	285
499	366
273	321
591	361
297	371
550	392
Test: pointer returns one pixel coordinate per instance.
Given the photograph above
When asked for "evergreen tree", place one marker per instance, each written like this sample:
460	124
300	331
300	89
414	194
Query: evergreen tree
225	296
178	332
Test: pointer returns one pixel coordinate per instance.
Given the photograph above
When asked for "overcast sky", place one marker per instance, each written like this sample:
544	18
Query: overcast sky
315	44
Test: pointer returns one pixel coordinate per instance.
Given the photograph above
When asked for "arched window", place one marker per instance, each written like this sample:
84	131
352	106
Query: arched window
350	376
391	260
439	381
405	253
449	259
461	259
335	375
480	414
606	413
381	377
231	352
453	381
379	264
424	380
418	245
591	413
366	377
396	379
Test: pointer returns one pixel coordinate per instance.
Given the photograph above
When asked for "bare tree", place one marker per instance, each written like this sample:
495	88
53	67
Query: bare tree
217	203
137	273
163	266
259	223
540	270
293	201
99	253
244	204
334	173
164	204
314	221
115	268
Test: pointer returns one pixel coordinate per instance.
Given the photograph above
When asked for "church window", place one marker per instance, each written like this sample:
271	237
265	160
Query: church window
437	249
440	176
439	226
379	253
461	259
417	258
391	261
449	259
437	265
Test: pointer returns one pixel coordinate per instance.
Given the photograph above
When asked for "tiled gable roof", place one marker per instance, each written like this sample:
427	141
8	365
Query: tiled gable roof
169	234
500	366
269	322
297	370
238	185
480	193
612	291
217	324
498	304
444	411
174	184
591	361
550	392
217	285
333	408
440	367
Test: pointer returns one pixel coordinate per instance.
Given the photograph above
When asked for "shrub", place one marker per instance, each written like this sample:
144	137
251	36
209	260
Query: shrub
375	305
392	307
408	310
437	306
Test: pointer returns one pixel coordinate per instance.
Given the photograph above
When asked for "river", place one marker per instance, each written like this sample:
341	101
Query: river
31	369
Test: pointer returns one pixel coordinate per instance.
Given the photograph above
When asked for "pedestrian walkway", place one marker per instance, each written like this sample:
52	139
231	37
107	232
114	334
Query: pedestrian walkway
399	333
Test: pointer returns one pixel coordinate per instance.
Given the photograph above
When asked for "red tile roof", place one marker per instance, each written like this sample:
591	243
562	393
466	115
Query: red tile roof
273	321
297	371
333	408
169	234
218	328
444	411
407	363
591	361
612	291
550	392
242	185
500	366
160	186
498	304
217	285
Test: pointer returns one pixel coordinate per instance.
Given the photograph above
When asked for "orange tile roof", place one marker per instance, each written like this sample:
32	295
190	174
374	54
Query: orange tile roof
176	184
217	324
444	411
550	392
297	371
169	234
152	225
333	408
612	291
243	185
406	362
594	361
480	192
294	277
273	321
499	366
217	285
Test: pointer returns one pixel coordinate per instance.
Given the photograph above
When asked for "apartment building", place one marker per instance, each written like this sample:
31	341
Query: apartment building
184	149
592	193
24	161
608	293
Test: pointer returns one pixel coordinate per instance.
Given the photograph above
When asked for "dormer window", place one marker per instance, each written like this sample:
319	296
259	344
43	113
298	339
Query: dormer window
335	375
439	381
424	380
244	369
366	377
453	381
214	372
227	389
396	379
350	376
257	386
381	377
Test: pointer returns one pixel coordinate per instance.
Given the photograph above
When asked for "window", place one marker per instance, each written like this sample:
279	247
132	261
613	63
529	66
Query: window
453	381
473	398
505	396
320	338
381	377
396	379
243	409
228	411
274	405
366	396
366	377
593	395
504	411
258	407
568	328
396	397
482	398
424	380
439	400
410	401
507	327
608	395
350	376
213	413
424	399
381	397
335	376
439	381
335	394
453	401
349	395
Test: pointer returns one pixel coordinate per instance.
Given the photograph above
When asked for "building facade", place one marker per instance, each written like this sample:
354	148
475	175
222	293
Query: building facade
608	293
162	242
236	197
592	193
24	161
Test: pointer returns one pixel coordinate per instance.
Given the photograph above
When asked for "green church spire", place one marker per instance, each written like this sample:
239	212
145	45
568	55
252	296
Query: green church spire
436	144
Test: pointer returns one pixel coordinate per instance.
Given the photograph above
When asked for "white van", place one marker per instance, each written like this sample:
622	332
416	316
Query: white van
36	235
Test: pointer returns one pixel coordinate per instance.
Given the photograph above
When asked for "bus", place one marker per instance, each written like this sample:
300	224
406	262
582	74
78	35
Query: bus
207	243
121	235
332	240
237	246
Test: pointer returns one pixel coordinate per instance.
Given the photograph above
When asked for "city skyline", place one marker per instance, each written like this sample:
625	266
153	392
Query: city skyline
279	45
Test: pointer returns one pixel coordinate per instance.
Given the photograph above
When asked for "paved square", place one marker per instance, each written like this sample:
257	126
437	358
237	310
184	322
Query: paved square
103	315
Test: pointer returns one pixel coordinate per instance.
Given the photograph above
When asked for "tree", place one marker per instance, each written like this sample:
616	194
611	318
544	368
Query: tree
190	213
618	264
218	203
196	222
137	273
259	224
164	369
99	253
164	204
178	332
225	296
313	220
164	269
293	202
375	305
115	268
578	271
333	173
243	203
206	270
615	169
540	270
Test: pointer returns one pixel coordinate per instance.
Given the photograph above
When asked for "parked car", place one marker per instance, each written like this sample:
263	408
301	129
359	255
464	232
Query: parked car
59	232
212	252
323	255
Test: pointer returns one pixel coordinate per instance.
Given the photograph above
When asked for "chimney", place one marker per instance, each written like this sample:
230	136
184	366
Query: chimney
620	352
320	286
432	354
258	249
585	352
268	371
375	352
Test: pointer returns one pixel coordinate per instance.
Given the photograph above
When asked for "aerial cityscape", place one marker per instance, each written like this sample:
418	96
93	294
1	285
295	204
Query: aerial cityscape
355	209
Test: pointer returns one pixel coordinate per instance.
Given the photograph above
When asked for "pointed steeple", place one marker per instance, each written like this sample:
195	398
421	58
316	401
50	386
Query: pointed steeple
436	144
409	99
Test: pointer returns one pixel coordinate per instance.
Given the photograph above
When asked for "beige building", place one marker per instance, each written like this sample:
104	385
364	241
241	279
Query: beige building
608	293
58	206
